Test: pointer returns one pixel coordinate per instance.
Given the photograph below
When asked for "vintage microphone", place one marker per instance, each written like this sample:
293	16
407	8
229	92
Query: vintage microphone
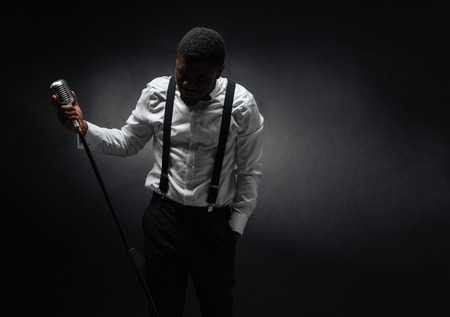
61	89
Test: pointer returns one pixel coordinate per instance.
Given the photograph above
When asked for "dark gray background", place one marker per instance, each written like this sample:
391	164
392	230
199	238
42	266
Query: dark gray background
353	215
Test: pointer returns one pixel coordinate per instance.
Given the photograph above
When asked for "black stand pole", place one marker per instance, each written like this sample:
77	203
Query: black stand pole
133	254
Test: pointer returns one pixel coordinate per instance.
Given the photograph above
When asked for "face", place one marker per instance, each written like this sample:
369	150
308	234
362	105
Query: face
195	79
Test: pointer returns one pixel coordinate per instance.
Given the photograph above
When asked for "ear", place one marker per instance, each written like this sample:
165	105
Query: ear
219	71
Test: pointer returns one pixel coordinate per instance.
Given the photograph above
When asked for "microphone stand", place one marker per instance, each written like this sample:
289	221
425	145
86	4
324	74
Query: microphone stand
133	254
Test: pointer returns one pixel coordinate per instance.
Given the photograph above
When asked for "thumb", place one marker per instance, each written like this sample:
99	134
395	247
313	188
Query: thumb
75	101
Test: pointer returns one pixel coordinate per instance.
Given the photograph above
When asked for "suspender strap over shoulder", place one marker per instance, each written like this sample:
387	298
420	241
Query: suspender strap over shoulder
164	180
224	128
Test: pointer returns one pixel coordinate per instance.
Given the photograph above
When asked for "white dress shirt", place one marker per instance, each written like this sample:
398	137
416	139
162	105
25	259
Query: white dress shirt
194	138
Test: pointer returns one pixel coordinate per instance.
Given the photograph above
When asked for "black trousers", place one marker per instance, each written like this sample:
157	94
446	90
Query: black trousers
182	241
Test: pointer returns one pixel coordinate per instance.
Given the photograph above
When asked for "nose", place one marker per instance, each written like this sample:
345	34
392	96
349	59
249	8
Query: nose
189	84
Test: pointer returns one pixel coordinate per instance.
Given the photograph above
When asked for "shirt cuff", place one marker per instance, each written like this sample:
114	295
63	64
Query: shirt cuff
92	137
238	221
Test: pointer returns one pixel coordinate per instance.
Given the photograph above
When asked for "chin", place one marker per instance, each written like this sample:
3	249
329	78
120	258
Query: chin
189	101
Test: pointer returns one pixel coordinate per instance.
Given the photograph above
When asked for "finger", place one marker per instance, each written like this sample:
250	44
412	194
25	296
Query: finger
75	101
55	101
64	112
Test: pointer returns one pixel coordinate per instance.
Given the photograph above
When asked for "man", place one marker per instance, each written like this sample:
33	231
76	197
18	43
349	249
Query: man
185	234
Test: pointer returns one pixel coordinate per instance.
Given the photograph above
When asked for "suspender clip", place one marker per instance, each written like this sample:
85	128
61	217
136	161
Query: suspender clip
210	208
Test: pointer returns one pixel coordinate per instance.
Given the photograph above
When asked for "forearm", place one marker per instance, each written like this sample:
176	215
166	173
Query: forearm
244	201
119	142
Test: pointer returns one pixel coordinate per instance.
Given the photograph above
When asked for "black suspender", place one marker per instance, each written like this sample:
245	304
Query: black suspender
164	180
224	128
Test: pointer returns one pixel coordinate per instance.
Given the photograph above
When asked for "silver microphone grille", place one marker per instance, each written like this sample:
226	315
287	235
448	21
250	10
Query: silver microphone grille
61	89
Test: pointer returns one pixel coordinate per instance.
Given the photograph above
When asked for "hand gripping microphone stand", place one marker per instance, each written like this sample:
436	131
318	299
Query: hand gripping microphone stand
61	89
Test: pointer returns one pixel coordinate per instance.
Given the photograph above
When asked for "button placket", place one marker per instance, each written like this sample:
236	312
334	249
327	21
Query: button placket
191	154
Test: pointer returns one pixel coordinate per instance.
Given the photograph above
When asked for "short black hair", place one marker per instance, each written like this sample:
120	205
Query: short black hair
203	44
